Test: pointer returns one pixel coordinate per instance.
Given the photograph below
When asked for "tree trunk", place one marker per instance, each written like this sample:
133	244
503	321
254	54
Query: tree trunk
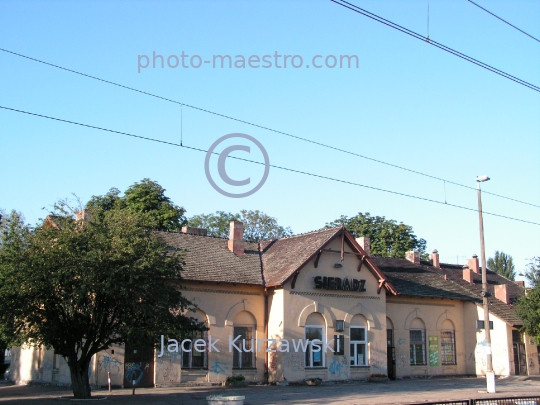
80	382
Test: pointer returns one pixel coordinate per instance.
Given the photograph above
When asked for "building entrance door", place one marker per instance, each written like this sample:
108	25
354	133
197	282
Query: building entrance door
391	359
139	366
390	354
520	359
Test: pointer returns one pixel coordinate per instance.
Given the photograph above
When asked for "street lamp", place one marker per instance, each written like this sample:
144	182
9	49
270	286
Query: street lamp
490	375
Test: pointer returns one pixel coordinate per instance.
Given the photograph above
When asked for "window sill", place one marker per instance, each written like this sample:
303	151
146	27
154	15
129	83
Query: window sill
316	368
246	369
359	367
419	365
448	364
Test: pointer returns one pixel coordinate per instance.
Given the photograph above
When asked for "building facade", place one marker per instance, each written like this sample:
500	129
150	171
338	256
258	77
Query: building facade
314	305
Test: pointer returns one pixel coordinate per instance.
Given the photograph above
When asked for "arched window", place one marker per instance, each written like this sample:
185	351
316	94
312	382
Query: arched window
244	329
389	333
417	335
314	330
358	341
448	343
192	355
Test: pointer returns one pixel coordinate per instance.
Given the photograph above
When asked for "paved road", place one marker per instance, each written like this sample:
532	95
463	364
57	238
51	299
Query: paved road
395	392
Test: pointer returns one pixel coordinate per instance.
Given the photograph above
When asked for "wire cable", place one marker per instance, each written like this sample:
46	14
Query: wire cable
496	16
407	31
261	163
266	128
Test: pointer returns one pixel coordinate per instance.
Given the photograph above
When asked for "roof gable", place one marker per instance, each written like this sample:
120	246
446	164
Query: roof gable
284	258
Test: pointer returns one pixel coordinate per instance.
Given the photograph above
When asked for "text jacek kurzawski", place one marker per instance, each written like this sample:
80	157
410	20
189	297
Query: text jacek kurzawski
280	345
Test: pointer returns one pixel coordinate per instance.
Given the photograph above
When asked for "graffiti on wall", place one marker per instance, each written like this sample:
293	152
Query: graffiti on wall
218	367
338	367
134	372
109	364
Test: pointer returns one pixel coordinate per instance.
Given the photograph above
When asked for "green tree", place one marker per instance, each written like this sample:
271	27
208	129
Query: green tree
80	288
502	264
528	309
144	197
216	224
388	238
258	226
533	272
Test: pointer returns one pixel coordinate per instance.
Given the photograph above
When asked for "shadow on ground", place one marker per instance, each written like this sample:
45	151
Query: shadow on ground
395	392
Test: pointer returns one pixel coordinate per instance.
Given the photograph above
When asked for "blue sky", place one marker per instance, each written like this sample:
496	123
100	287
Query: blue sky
407	103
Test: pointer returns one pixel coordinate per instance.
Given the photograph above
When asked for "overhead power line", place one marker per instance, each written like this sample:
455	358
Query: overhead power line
504	21
445	48
271	165
264	127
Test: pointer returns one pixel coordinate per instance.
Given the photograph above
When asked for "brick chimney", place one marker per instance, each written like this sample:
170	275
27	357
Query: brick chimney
521	283
195	231
468	274
365	244
413	256
236	237
473	264
435	259
501	293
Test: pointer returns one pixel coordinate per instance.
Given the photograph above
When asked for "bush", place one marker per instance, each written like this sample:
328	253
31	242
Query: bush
378	375
235	378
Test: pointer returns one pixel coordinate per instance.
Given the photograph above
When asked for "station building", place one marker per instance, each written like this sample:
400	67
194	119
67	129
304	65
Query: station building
375	315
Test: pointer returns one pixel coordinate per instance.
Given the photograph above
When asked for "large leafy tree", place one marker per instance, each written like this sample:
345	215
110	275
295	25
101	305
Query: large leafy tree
148	197
388	237
528	306
528	309
258	226
533	272
81	287
502	264
216	224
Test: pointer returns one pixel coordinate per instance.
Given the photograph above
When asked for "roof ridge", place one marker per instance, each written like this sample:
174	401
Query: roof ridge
302	234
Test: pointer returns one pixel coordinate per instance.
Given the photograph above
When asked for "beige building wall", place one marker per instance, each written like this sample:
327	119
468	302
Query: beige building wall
432	315
109	361
276	320
366	308
221	304
533	368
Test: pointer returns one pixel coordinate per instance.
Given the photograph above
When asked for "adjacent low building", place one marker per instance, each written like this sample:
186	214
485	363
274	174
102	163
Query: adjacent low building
264	302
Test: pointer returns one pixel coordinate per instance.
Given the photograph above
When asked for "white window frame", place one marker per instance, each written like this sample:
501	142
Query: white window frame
309	353
353	357
445	344
424	356
240	344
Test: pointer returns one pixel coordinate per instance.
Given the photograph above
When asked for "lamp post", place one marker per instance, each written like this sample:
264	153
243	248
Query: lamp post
490	375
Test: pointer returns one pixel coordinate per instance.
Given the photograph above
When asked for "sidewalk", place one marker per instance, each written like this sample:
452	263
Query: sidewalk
394	392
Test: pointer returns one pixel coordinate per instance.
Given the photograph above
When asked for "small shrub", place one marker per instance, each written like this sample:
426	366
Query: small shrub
378	375
235	378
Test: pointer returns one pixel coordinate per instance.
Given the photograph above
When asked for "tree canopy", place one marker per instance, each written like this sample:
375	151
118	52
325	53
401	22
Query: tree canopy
144	197
532	274
528	306
388	237
80	288
528	309
258	226
502	264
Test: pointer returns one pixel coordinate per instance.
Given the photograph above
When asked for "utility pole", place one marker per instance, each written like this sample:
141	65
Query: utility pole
490	375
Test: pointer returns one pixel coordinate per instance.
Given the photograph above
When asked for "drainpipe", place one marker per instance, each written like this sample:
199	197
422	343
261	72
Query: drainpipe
266	375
